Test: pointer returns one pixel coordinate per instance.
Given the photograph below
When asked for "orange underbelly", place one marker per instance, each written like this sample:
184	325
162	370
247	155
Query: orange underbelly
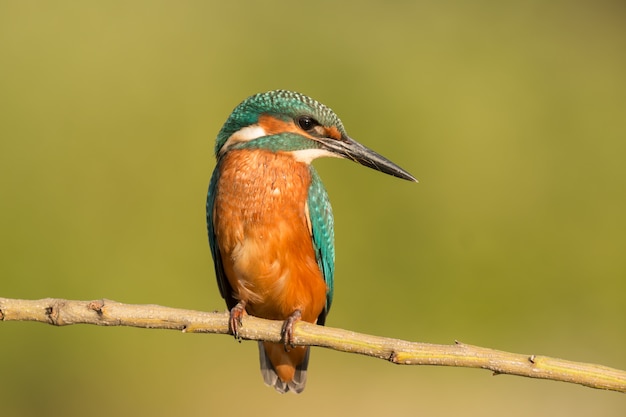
264	237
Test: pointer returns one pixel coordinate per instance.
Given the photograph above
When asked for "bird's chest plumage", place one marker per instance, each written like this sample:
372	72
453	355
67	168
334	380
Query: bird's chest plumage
263	233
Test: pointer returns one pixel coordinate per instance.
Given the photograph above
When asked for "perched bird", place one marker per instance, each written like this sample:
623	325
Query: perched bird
270	223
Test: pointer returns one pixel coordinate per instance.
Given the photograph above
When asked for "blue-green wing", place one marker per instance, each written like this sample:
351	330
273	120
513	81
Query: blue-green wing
222	282
322	231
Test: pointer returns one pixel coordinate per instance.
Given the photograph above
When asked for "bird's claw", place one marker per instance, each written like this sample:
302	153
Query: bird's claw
287	330
236	315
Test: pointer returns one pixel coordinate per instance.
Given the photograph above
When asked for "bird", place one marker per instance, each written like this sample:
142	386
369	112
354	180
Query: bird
270	222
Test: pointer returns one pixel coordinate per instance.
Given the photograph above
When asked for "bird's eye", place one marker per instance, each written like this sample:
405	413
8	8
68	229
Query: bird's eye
307	122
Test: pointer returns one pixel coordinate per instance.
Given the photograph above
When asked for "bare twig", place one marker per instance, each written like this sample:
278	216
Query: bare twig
61	312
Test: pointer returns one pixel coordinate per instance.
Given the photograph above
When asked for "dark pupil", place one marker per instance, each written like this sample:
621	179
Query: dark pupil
306	123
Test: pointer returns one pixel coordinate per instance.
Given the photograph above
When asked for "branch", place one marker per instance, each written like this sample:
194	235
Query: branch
59	312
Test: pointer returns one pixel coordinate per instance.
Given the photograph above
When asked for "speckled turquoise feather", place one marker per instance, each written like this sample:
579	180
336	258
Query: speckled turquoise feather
222	281
321	216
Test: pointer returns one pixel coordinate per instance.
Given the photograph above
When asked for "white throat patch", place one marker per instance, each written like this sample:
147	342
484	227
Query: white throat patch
307	155
246	134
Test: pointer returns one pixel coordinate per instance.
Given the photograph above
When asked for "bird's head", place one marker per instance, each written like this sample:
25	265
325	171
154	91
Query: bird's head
287	121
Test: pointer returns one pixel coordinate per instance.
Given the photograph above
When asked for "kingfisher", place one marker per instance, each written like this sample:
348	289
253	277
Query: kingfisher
270	222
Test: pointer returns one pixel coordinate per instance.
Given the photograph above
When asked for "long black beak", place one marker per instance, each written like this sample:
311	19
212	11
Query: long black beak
351	149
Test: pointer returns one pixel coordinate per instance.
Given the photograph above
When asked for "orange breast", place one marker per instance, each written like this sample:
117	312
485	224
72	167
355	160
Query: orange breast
263	233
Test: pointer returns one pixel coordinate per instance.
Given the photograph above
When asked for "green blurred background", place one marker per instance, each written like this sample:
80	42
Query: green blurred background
511	115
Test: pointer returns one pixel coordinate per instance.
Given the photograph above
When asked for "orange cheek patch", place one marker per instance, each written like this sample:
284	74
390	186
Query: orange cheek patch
272	125
333	132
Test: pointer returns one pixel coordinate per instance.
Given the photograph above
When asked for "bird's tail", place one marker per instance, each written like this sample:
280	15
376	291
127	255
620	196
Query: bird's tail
288	366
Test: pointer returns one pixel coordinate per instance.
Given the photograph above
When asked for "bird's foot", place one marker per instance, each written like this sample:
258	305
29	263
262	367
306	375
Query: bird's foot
287	330
236	314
